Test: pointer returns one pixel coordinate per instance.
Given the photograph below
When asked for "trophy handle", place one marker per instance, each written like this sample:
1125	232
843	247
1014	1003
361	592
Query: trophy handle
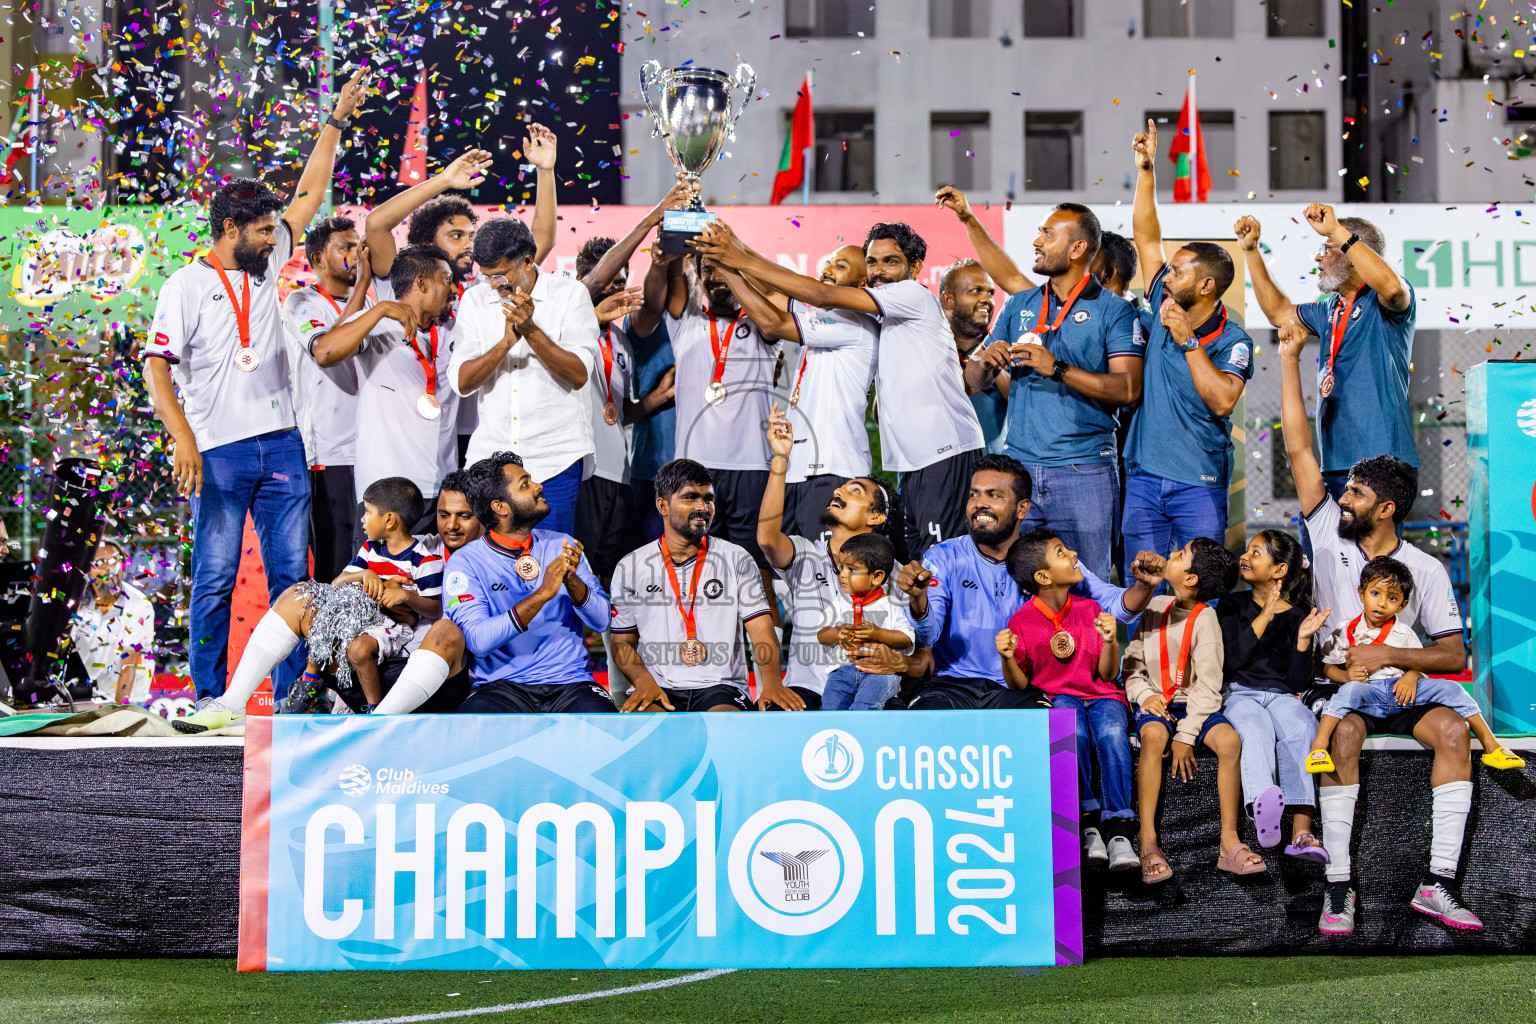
651	71
745	78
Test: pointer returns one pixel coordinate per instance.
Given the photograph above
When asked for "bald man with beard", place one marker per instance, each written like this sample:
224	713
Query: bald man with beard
965	292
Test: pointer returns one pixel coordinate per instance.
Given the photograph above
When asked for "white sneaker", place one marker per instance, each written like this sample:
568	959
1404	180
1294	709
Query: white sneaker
1122	855
1094	853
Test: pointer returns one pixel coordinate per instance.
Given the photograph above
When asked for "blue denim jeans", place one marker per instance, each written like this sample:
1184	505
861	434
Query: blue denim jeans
848	689
1163	515
1080	504
561	491
1276	730
1102	740
1376	699
268	477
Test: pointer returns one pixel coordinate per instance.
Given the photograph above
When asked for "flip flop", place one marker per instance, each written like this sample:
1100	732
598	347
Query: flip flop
1233	861
1306	847
1268	809
1154	866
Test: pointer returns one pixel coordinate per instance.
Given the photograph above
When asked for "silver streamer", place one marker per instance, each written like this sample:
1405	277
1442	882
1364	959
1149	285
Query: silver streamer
340	614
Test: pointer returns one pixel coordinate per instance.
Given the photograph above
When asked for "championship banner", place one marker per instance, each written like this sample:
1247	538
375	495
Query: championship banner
462	842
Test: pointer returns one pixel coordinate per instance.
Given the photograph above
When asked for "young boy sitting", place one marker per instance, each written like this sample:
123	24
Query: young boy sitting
1066	647
864	564
1385	587
1173	673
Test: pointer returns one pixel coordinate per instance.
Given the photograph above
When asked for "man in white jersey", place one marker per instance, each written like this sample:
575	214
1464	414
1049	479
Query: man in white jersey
679	608
929	433
216	367
325	398
1347	533
405	413
529	372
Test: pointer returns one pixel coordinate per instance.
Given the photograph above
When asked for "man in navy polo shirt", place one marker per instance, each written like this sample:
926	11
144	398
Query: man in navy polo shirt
1365	322
1178	457
1071	351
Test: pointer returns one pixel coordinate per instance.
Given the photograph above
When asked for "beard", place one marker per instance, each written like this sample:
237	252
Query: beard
992	534
968	327
461	271
693	526
251	259
1355	528
1331	281
526	517
722	303
1051	266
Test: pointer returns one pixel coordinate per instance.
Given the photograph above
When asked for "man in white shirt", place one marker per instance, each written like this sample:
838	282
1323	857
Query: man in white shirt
1346	533
929	433
216	367
325	398
113	631
528	367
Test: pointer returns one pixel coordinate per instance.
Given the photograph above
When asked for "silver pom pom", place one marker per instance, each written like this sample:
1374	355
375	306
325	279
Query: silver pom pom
339	616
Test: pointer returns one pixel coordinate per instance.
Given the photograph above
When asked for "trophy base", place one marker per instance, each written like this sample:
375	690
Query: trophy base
679	227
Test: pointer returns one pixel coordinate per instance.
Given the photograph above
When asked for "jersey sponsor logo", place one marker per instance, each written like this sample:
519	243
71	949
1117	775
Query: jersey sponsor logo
312	325
1240	355
1082	316
498	585
968	584
653	588
164	341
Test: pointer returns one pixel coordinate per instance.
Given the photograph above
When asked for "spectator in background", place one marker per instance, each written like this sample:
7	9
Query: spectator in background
965	292
113	631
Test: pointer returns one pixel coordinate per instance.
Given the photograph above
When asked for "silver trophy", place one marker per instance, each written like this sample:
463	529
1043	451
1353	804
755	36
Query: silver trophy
692	112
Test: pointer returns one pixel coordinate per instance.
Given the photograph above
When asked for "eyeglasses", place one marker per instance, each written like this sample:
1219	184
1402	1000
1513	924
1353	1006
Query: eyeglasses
106	563
1327	247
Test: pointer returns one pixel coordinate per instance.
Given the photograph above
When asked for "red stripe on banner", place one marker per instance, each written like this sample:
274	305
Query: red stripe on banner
255	821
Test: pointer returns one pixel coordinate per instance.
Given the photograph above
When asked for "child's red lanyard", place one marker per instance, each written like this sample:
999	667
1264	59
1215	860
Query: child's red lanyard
1380	637
860	602
721	350
1177	674
1055	619
1061	314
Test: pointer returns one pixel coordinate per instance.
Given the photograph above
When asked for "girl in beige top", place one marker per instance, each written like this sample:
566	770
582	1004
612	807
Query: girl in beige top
1173	676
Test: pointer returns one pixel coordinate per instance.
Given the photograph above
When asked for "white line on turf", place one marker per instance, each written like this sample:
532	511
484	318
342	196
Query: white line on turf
539	1004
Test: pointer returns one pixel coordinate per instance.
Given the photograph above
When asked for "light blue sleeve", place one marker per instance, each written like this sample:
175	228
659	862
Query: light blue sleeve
1108	596
597	610
931	626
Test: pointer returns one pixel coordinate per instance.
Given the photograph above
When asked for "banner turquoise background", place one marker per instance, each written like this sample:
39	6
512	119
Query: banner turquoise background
770	840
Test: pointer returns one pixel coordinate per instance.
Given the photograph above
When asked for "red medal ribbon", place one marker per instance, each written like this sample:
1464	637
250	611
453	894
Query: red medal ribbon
1061	314
606	347
242	316
518	550
719	350
329	298
1340	325
693	585
1054	619
1177	673
805	356
1380	637
860	602
429	367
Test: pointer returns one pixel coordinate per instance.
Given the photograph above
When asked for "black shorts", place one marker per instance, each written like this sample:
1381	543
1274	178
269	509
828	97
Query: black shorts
502	697
738	505
335	528
444	702
811	697
960	693
707	697
804	503
933	501
603	513
1401	723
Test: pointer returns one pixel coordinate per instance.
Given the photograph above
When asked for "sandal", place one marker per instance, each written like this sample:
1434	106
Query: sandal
1236	861
1154	866
1306	847
1268	810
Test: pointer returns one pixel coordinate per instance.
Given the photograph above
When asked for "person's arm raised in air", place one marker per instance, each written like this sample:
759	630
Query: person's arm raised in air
772	321
1377	274
619	255
998	264
1305	469
539	147
378	230
315	183
776	545
1278	309
718	243
1146	230
654	294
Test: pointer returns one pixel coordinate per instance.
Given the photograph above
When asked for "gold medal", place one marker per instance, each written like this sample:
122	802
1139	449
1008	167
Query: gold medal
429	408
611	414
527	567
692	652
794	397
247	360
715	393
1062	644
1326	387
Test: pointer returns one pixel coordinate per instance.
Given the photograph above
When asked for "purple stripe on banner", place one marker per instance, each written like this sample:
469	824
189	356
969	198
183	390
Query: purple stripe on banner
1066	845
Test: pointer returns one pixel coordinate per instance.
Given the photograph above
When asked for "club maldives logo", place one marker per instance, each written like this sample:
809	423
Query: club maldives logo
832	759
355	780
1525	418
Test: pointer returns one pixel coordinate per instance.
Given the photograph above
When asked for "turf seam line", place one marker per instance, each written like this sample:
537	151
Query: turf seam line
538	1004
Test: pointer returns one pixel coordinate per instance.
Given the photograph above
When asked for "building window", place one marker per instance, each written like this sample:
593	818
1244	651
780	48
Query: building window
1297	150
1050	19
959	19
960	144
829	18
1053	150
1283	18
1187	19
1218	129
845	151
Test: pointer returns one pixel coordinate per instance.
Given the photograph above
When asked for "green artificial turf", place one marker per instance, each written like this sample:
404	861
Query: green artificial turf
1486	990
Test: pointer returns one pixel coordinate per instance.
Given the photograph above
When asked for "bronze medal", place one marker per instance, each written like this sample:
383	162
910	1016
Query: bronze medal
715	393
1062	644
429	407
692	652
247	360
794	397
611	414
527	567
1326	387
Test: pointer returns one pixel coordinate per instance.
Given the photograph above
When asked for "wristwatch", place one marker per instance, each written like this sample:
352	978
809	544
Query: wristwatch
1060	370
331	122
1352	240
1190	345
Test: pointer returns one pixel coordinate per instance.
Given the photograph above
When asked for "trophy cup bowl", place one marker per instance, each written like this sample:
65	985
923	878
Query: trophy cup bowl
691	112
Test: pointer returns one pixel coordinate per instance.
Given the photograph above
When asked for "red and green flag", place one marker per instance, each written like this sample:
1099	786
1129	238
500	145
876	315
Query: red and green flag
413	155
1192	178
802	135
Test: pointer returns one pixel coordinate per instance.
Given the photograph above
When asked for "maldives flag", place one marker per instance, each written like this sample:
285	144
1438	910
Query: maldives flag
802	134
413	158
1188	153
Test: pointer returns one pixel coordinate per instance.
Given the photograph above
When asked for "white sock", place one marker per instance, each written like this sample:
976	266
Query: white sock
271	641
1453	801
424	672
1337	804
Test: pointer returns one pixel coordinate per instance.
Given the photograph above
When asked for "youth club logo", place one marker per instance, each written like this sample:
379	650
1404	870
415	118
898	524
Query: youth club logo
832	759
355	780
1525	418
795	867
